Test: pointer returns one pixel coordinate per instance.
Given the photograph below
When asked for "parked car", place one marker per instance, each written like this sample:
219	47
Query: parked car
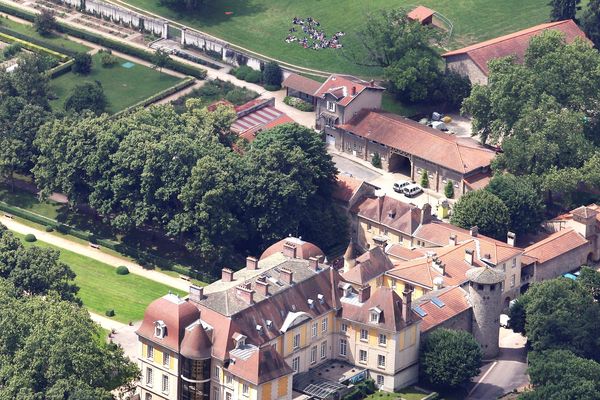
398	186
412	190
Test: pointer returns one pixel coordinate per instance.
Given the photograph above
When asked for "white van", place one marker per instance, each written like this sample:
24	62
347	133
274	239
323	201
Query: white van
412	190
400	185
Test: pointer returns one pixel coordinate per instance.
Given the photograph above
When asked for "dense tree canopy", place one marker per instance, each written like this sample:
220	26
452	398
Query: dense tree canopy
590	21
45	22
87	96
449	358
563	9
483	209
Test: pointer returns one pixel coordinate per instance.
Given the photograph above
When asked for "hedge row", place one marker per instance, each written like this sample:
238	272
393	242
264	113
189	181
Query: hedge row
110	43
40	43
33	47
144	258
60	69
160	95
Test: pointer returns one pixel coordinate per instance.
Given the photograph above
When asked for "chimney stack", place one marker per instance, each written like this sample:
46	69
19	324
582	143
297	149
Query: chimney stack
474	231
372	83
226	275
245	293
511	238
353	90
426	214
286	276
407	305
364	293
262	287
380	241
453	240
196	293
469	256
313	264
289	250
251	263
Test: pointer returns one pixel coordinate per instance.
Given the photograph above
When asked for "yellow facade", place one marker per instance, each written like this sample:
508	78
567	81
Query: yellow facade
282	386
266	391
399	286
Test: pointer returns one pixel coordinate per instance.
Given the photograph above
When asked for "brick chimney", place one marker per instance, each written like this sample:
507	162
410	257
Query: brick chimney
364	293
426	214
372	83
313	263
511	238
251	263
407	305
353	90
289	250
286	276
245	293
474	231
196	293
453	240
226	275
469	256
262	287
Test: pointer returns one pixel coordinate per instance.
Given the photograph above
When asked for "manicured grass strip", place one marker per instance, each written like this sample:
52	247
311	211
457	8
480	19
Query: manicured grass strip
56	41
123	87
102	289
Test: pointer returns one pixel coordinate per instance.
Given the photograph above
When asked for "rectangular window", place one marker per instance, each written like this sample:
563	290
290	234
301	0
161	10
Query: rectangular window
150	352
369	227
313	354
503	266
381	361
331	106
245	389
380	380
296	364
228	379
324	325
393	284
148	396
344	328
315	328
382	339
343	347
296	340
228	396
364	335
514	261
165	384
166	359
149	377
216	394
362	356
323	349
217	375
512	281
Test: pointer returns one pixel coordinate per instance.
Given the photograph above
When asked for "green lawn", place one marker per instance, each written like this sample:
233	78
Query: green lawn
261	25
102	289
123	86
409	393
56	40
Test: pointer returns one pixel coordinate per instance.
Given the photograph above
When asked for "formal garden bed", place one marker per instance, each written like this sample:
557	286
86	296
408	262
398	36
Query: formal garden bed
102	289
216	90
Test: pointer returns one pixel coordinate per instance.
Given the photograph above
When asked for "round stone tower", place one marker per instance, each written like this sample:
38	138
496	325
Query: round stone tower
485	293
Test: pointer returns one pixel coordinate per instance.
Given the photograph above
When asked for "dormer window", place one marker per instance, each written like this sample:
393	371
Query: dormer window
259	329
311	303
321	298
160	329
374	314
240	340
330	106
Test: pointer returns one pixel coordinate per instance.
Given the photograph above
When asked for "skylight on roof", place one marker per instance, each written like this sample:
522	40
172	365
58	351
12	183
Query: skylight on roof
420	311
437	302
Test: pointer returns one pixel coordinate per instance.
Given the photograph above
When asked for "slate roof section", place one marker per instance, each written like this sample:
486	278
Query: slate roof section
196	344
304	249
514	44
301	84
455	300
390	212
462	155
176	313
340	87
404	253
368	266
485	275
555	245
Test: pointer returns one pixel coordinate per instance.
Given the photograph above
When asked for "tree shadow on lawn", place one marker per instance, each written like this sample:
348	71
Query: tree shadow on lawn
214	13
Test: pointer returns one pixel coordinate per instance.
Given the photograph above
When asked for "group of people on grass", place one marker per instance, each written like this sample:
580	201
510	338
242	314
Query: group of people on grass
312	37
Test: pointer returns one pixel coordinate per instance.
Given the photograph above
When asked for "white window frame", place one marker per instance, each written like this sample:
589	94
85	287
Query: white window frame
374	317
362	359
514	262
150	352
228	379
165	383
217	372
149	377
364	335
324	325
296	364
324	350
245	389
343	347
380	361
344	327
330	106
382	339
296	343
380	380
315	329
166	360
313	354
512	281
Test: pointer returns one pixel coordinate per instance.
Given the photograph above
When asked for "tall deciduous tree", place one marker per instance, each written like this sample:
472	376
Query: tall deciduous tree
591	21
160	59
45	22
87	96
482	209
449	358
563	9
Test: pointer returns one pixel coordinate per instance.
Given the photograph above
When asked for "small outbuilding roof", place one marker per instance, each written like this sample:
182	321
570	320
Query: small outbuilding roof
420	13
301	84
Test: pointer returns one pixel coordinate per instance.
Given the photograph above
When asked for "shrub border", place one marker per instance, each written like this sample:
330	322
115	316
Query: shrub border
34	47
188	81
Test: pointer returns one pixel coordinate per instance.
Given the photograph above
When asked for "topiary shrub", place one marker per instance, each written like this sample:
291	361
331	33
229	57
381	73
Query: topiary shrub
376	160
110	313
122	270
241	72
272	88
272	74
253	76
30	237
425	179
49	229
449	190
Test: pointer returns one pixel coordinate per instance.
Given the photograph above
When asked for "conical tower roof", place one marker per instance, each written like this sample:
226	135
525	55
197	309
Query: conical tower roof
196	345
485	275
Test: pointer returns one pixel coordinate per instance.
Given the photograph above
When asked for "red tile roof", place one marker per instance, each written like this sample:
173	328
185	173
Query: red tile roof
304	249
258	365
478	181
341	87
301	84
392	213
387	301
368	266
555	245
420	13
265	118
455	302
346	187
404	253
514	44
458	154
